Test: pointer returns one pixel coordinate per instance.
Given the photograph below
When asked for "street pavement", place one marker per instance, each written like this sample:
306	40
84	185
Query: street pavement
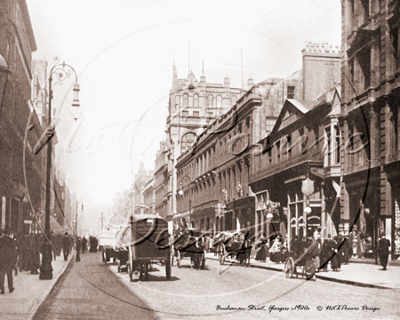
91	290
29	292
358	274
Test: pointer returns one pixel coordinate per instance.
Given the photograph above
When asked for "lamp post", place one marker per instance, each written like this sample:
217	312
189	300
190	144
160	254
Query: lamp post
61	72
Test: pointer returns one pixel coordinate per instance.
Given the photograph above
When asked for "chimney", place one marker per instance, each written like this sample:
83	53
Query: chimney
226	82
250	83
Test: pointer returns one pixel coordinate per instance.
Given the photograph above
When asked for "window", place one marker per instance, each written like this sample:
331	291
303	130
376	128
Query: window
364	60
177	98
187	141
336	147
290	92
196	101
219	102
278	151
270	123
233	100
327	148
394	36
289	145
210	101
185	100
185	113
196	113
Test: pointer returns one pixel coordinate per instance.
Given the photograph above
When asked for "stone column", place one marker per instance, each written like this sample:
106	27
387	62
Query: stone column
373	134
374	70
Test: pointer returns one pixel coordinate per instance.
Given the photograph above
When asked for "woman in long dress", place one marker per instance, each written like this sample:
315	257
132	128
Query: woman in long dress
261	248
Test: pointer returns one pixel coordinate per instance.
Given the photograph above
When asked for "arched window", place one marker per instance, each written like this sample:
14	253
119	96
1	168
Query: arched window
210	101
233	100
219	102
187	141
196	101
185	100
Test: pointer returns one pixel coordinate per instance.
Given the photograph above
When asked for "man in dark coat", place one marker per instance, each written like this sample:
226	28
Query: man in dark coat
8	259
84	244
384	245
34	254
335	262
78	247
66	246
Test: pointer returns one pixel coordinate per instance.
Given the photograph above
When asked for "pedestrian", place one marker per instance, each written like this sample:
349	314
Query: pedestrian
335	262
83	243
275	250
78	248
66	246
53	242
8	259
34	254
23	252
261	248
384	245
326	253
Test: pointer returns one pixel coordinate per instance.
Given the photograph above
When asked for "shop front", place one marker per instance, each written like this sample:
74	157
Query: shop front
365	221
240	214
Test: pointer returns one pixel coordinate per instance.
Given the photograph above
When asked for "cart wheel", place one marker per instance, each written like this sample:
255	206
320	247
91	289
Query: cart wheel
289	267
104	258
221	258
168	269
130	271
178	259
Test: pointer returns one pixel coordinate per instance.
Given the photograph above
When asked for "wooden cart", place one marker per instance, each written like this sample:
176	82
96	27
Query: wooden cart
149	245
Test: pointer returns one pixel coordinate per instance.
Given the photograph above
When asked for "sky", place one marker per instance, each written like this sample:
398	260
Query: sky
123	52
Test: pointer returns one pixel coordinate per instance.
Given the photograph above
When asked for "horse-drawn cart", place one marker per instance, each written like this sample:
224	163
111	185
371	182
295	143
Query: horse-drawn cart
190	243
233	246
304	260
149	245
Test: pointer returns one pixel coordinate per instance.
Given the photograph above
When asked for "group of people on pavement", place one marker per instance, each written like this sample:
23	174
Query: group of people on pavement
335	250
23	253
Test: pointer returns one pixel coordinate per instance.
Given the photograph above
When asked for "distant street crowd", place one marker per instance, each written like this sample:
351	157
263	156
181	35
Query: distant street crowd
24	253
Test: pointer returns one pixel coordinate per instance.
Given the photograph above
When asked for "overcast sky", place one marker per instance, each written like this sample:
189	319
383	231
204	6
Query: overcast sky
123	52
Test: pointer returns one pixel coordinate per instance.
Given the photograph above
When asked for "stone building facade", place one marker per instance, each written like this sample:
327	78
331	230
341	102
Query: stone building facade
193	104
370	124
215	170
17	42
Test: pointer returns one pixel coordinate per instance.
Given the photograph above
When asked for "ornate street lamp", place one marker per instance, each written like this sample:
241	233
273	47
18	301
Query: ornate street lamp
60	72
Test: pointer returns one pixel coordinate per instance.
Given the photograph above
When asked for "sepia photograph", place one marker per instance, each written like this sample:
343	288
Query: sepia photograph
199	160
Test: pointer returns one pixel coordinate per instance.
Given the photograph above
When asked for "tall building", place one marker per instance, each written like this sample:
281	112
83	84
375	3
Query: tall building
17	164
193	104
141	179
370	124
